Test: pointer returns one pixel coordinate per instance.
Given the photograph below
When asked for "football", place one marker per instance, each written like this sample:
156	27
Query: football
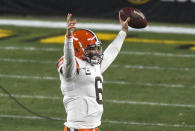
138	20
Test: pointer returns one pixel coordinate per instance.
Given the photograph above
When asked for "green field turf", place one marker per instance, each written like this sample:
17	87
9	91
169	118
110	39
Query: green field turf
149	87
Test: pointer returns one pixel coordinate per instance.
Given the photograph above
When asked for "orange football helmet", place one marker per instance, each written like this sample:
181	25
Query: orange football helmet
87	46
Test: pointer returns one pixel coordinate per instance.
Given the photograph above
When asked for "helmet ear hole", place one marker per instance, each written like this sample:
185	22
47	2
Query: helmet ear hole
77	49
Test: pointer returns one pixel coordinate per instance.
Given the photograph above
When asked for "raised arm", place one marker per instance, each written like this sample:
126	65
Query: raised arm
69	64
113	49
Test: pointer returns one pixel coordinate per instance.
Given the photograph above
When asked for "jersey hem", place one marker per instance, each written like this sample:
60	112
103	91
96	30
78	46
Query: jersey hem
79	126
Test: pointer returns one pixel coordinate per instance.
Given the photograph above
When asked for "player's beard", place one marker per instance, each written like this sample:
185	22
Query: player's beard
92	56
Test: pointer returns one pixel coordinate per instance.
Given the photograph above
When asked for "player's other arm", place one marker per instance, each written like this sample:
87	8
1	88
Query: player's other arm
69	64
113	49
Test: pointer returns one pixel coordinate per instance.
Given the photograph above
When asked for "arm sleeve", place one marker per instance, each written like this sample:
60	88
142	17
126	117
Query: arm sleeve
112	50
69	64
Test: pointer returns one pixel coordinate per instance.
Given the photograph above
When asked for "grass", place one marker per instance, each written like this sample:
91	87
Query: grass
170	85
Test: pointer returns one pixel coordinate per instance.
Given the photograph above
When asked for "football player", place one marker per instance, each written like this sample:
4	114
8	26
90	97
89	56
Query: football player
80	71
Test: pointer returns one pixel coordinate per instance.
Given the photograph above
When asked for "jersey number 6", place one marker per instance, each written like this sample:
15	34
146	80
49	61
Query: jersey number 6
98	90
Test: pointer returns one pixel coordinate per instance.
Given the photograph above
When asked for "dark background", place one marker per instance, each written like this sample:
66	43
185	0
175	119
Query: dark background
154	10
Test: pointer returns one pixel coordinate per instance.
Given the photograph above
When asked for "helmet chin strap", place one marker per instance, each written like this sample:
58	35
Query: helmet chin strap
82	47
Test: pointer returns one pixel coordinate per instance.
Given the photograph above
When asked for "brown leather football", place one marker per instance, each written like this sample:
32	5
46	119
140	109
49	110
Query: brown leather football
138	20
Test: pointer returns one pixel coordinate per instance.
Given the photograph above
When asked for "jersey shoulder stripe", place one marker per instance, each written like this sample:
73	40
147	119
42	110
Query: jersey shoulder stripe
60	64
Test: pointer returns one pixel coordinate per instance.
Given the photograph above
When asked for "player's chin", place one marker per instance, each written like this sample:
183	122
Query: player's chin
94	57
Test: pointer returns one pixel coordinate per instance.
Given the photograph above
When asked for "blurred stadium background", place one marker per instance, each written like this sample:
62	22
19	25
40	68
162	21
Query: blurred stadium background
149	87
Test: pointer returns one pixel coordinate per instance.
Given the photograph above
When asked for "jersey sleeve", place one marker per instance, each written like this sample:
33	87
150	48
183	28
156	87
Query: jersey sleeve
112	51
69	63
60	65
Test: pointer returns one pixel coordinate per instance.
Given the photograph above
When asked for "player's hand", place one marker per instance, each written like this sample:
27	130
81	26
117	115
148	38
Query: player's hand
70	26
124	24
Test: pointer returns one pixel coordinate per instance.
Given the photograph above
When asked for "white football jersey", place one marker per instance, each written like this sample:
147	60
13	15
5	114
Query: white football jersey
82	89
83	96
